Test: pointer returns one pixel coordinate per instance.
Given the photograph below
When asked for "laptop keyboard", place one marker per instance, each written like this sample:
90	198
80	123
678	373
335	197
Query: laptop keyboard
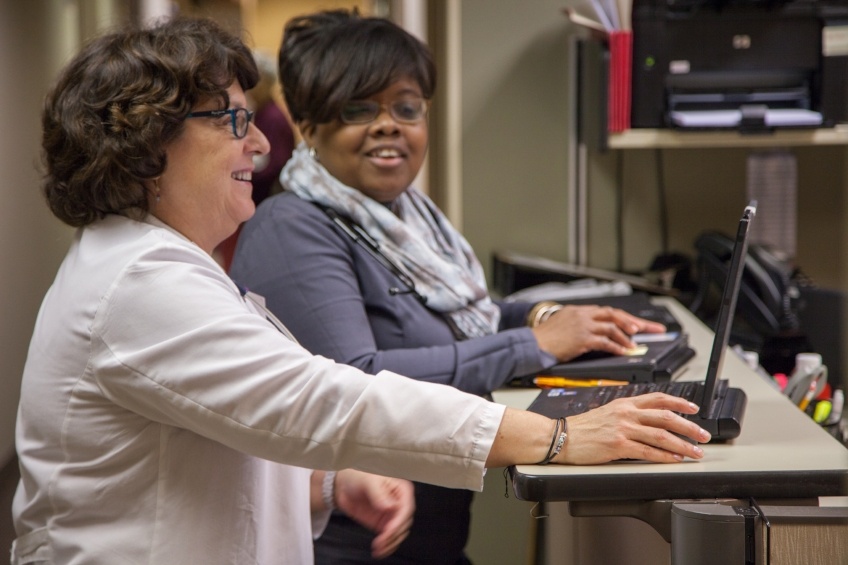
689	390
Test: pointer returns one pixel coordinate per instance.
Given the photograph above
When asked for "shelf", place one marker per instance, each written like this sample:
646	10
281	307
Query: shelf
675	139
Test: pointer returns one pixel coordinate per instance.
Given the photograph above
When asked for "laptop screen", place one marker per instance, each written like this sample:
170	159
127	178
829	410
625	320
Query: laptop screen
727	309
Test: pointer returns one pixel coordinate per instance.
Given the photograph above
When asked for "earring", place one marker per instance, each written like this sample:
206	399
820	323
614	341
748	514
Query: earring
313	153
156	187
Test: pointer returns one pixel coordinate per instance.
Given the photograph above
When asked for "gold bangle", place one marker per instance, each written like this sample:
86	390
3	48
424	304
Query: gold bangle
548	312
541	312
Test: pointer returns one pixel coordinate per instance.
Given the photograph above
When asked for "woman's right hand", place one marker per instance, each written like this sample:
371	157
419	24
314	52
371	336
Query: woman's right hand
641	427
575	330
646	427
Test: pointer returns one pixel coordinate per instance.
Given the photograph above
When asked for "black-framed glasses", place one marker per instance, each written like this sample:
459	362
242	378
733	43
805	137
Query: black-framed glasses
405	111
239	117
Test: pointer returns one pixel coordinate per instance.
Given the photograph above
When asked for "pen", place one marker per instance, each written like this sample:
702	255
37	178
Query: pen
556	382
811	392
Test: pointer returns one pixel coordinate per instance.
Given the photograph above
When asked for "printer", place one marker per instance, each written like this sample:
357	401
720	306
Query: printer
752	65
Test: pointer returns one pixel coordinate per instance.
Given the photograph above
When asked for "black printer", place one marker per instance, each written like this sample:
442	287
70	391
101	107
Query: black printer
747	64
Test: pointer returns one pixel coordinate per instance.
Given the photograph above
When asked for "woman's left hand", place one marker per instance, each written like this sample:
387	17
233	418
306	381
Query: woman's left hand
384	505
575	330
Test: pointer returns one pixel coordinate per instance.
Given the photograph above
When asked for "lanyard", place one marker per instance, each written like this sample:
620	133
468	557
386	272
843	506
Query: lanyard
259	303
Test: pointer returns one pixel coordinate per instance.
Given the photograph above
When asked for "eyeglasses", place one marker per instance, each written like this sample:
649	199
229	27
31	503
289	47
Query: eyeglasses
406	111
239	117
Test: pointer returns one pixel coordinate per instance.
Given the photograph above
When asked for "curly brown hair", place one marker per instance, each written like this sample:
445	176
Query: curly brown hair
330	58
120	101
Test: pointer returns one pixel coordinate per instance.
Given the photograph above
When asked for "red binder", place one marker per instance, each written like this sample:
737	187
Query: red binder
619	83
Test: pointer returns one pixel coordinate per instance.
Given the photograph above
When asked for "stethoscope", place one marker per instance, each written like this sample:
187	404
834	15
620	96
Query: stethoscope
361	237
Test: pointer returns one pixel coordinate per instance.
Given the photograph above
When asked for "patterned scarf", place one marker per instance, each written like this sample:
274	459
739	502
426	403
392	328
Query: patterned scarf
419	240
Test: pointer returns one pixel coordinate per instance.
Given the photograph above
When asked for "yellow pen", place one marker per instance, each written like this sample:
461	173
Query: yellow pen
562	382
809	395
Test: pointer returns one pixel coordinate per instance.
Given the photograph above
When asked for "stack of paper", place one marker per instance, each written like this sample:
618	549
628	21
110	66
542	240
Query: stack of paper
610	21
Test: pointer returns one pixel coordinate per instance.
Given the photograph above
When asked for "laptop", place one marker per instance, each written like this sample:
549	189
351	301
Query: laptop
665	355
722	407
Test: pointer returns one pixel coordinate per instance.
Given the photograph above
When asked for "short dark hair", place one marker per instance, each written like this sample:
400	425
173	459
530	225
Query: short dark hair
331	57
120	100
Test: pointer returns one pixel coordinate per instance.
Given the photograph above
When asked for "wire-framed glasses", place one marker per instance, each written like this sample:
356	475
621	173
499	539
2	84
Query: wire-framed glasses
405	111
239	117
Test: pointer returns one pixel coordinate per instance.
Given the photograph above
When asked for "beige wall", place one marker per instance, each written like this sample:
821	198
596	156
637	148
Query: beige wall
266	19
31	241
514	126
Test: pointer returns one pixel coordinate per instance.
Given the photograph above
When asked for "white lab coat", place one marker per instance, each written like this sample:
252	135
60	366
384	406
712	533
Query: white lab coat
162	421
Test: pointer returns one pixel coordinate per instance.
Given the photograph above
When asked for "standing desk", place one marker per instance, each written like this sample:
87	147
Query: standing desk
781	455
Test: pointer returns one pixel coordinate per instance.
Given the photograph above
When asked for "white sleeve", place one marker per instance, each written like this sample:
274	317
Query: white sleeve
175	342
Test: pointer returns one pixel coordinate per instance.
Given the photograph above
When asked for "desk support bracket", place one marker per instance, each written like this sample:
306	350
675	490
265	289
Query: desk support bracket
655	513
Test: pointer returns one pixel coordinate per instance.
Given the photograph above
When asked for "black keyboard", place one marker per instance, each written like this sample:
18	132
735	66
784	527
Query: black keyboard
689	390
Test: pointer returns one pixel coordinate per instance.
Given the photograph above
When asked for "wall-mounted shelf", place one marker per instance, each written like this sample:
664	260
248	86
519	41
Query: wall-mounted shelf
665	138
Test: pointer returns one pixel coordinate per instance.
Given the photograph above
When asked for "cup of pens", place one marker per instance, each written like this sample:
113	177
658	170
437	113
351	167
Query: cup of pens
807	380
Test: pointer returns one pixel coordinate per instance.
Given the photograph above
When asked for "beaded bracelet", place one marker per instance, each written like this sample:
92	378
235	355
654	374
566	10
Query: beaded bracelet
558	441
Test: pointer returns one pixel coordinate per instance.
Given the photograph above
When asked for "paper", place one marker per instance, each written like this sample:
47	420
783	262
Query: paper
578	289
781	117
601	15
584	21
610	10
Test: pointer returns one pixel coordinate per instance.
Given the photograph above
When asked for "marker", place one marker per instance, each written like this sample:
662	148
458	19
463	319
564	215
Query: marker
822	411
560	382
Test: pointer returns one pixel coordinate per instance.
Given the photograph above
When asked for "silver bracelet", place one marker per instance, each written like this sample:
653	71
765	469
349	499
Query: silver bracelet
557	442
328	487
563	437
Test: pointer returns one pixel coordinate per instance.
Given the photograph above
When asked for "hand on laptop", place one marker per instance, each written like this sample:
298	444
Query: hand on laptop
641	427
575	330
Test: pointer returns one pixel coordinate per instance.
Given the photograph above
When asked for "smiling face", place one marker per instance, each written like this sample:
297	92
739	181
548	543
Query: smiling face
380	158
205	190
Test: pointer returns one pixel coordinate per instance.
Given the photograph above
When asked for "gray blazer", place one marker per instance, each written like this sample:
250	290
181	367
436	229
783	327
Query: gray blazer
334	296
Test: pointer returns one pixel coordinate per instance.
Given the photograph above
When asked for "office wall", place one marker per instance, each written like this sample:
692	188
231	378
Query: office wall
33	35
514	126
266	18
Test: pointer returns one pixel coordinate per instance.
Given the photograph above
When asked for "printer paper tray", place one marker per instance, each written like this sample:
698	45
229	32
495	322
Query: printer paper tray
779	117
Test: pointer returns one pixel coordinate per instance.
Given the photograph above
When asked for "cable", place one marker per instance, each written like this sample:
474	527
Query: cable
662	201
619	212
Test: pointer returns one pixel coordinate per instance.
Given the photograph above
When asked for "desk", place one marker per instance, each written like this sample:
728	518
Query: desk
780	454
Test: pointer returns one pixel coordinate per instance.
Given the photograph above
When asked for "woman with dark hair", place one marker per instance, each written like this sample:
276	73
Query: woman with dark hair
165	415
367	271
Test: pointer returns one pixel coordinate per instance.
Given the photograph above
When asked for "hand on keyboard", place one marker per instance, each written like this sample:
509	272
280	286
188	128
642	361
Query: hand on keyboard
646	427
